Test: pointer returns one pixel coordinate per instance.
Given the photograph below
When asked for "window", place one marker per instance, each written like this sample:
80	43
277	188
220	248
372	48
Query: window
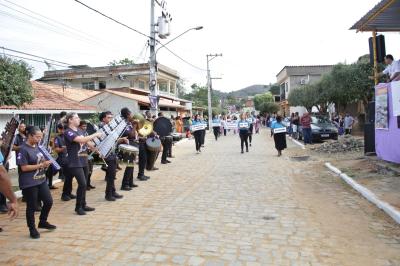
163	86
88	85
141	84
102	85
172	88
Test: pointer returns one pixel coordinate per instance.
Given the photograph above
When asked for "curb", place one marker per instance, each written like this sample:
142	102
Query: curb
366	193
297	143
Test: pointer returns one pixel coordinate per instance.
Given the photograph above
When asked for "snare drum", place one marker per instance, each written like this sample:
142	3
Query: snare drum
127	153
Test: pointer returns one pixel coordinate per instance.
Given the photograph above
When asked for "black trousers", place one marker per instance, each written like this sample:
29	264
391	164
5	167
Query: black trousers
49	175
243	140
197	138
203	136
224	131
90	171
32	196
166	144
216	132
142	158
127	180
111	173
3	200
250	137
79	174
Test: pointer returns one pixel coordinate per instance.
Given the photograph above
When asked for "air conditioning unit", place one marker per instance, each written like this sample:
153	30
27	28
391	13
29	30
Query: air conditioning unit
303	81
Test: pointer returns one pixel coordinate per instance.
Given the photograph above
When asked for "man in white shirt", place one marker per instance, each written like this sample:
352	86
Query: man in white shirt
348	124
392	70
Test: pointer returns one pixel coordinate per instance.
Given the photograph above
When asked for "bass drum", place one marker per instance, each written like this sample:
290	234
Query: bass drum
153	147
162	126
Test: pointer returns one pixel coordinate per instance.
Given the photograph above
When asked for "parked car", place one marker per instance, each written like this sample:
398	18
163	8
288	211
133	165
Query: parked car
321	128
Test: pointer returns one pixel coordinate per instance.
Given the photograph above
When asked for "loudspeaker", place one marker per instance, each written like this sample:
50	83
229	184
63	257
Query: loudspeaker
371	112
380	49
369	138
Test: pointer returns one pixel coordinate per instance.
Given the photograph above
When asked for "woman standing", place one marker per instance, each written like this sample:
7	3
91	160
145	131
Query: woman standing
243	126
224	124
32	181
258	124
197	133
216	126
179	125
73	141
279	138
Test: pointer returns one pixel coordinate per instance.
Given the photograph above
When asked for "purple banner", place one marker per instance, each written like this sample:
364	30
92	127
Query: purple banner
387	141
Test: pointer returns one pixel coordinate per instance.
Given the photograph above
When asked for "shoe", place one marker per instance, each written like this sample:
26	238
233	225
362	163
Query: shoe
142	178
126	188
242	151
91	187
65	198
250	144
3	209
80	211
53	187
87	188
133	185
33	232
72	196
117	196
154	169
168	161
46	225
88	209
110	198
164	162
247	150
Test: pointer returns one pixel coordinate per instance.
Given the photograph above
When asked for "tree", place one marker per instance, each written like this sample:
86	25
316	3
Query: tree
275	89
262	98
15	88
126	61
180	87
268	107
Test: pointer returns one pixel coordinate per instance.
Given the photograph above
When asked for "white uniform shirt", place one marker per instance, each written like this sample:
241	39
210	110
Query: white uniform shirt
392	68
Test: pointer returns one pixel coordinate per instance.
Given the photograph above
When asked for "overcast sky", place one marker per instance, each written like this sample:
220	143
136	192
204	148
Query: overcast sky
256	37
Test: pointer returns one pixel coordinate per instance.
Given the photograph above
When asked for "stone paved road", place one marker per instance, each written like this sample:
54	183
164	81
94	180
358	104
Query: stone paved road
216	208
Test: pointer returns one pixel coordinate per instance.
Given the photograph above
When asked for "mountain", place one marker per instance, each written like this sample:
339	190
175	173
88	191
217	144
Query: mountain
250	91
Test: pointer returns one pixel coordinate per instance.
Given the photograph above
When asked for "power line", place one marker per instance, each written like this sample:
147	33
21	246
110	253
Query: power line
44	58
139	32
21	57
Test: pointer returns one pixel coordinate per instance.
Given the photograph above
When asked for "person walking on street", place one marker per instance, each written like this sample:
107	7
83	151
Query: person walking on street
243	127
306	127
279	138
348	124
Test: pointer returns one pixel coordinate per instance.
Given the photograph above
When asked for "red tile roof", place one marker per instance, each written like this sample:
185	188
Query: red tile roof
47	99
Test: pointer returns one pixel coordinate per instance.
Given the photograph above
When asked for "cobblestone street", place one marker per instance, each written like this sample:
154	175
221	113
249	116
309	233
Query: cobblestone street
219	207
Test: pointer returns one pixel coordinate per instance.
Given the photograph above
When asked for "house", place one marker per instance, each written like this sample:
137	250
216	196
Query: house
106	77
45	103
292	77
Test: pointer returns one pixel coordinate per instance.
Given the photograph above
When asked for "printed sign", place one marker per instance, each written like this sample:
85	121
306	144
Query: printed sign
231	125
198	127
381	107
244	125
216	124
395	87
280	130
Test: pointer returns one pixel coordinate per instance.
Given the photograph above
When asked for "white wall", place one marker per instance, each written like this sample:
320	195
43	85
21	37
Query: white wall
110	102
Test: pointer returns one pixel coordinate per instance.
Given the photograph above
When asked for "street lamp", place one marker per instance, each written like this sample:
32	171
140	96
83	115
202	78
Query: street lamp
186	31
209	58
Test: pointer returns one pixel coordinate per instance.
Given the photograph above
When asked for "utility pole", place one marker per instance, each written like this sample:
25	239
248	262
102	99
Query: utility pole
152	63
211	56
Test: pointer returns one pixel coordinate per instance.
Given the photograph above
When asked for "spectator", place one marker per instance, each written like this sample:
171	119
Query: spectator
306	126
348	124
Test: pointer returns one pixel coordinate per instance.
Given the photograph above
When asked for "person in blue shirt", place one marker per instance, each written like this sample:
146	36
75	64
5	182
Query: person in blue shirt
198	133
251	121
216	128
243	127
279	138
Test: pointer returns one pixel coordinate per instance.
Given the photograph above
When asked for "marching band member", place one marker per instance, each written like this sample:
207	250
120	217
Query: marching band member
280	138
165	146
84	156
73	142
32	181
198	133
111	161
243	127
130	133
